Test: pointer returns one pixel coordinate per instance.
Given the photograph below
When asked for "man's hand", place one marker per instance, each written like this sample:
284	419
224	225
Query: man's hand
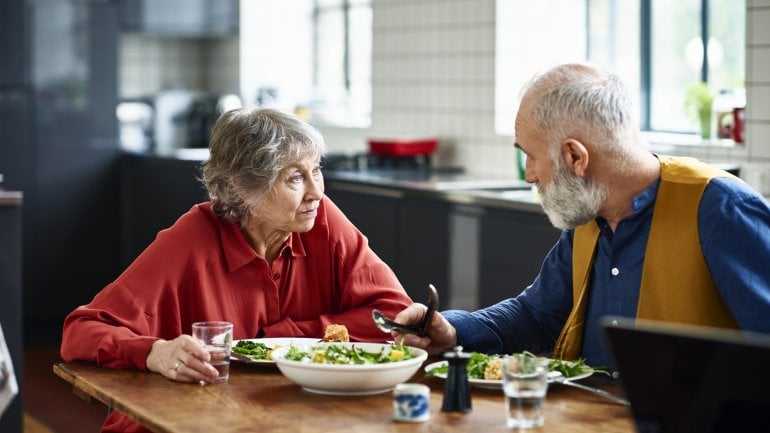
441	337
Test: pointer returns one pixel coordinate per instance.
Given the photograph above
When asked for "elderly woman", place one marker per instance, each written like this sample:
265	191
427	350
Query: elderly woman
269	253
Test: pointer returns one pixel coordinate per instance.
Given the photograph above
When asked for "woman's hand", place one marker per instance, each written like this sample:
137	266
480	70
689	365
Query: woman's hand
183	359
441	337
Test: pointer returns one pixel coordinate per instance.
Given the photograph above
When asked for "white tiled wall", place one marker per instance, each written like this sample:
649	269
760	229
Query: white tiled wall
434	74
149	64
757	161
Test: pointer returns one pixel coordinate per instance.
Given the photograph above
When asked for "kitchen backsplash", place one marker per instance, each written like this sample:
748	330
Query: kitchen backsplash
434	75
149	64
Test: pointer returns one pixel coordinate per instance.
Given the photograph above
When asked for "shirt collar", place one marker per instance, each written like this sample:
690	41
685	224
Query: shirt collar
645	198
639	203
295	245
237	251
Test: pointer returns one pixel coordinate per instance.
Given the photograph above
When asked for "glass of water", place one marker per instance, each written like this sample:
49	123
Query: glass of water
525	384
217	337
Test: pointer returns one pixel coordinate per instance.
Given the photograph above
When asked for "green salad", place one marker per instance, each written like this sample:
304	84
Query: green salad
483	366
341	354
254	350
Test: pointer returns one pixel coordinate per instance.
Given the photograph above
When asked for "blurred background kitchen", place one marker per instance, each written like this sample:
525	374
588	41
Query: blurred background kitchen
104	103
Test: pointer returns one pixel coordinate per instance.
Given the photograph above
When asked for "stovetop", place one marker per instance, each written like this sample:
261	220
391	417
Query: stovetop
370	161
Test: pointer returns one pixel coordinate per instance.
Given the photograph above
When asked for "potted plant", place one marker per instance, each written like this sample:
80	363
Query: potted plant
697	104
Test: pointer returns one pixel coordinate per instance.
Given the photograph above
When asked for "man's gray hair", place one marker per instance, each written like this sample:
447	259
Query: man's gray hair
583	102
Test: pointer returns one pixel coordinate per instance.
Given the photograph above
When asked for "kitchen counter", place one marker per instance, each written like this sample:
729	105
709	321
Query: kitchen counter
477	238
449	185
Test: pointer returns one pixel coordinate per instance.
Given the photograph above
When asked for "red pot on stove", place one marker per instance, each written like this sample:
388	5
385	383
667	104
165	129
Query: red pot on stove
403	146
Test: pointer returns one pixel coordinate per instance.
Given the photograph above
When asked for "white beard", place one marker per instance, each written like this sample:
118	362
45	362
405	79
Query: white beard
570	201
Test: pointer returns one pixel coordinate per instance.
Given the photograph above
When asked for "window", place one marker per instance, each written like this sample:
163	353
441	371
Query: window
311	56
656	47
342	62
529	37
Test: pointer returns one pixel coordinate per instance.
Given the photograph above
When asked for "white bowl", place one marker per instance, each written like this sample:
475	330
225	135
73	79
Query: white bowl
349	379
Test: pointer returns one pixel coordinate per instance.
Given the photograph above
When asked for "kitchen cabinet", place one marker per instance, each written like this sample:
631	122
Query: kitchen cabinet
11	294
374	211
60	147
155	192
513	245
15	99
423	247
409	234
475	253
13	44
194	18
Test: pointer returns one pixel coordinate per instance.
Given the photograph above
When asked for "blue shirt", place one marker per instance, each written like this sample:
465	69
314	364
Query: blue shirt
734	228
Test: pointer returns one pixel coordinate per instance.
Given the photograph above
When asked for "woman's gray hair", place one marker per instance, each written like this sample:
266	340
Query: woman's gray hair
583	102
249	148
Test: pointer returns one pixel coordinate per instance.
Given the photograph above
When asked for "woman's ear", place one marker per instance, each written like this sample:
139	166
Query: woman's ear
575	156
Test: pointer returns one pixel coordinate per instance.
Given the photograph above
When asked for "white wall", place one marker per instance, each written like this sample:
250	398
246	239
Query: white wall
148	64
276	51
758	94
434	74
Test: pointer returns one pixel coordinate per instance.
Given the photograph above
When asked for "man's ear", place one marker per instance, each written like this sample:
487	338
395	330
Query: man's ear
575	156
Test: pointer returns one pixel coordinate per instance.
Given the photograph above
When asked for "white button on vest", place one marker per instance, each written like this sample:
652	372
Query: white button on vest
615	271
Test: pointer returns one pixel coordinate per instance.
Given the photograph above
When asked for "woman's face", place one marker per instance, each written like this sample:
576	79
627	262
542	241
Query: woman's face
292	205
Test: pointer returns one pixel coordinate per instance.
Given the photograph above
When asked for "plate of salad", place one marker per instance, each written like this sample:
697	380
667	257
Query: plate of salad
260	350
485	371
349	368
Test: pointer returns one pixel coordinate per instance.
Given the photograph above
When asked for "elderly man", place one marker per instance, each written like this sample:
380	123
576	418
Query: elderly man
645	235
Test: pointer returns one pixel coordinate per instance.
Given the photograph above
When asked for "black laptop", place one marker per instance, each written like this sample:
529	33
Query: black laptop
682	378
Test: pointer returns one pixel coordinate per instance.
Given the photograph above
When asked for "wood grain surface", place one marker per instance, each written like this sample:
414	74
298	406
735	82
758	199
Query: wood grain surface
260	398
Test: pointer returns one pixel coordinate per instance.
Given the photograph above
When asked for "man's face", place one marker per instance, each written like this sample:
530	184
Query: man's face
568	200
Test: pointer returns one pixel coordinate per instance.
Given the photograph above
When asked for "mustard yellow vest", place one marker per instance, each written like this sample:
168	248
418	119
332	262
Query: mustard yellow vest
676	285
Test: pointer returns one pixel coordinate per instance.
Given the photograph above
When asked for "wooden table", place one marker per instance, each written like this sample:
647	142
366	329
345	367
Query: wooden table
259	398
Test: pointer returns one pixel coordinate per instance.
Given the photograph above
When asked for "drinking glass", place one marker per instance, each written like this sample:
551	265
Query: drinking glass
217	337
525	385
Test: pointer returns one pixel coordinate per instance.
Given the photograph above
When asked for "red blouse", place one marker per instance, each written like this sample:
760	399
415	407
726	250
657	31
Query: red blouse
202	268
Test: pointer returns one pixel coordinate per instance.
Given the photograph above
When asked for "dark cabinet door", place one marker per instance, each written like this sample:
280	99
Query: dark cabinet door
423	241
10	307
180	17
475	256
13	44
411	235
16	148
374	212
155	192
71	199
513	246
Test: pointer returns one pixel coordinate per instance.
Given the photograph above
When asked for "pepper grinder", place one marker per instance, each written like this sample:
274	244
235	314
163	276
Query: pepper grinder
457	396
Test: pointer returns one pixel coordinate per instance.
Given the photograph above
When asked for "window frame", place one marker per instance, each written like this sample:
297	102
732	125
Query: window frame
346	7
646	55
